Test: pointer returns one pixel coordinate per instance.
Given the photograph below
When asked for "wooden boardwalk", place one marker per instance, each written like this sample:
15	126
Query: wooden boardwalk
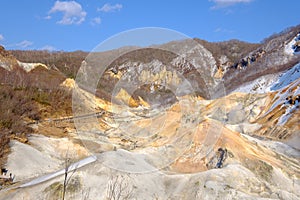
68	118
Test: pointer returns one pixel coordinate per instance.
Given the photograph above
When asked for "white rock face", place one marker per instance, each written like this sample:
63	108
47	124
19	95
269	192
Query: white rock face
231	182
26	162
6	65
30	66
69	83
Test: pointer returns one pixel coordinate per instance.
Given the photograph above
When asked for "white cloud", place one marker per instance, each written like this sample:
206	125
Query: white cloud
24	44
110	8
48	48
226	3
223	30
1	37
72	12
96	20
48	17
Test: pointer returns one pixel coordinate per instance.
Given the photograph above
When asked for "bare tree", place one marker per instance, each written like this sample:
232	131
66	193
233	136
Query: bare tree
85	194
69	172
119	187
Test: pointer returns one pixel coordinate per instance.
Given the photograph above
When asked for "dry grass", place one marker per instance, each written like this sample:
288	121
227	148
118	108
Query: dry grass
21	105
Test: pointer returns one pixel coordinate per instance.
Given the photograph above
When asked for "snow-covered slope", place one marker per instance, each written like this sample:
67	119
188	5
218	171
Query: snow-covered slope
260	85
292	47
287	77
282	99
271	82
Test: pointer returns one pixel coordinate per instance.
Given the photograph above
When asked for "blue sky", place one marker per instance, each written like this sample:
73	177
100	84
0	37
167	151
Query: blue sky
83	24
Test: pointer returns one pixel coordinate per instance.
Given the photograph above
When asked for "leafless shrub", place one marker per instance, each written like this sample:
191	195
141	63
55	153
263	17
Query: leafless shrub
119	187
85	194
69	172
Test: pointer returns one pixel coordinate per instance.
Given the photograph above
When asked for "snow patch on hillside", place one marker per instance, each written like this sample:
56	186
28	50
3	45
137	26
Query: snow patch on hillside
287	78
290	47
271	82
286	116
292	90
260	85
30	66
